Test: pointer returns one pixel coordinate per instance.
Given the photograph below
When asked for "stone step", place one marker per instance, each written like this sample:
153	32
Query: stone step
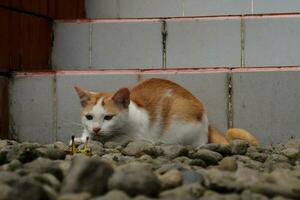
248	41
184	8
44	106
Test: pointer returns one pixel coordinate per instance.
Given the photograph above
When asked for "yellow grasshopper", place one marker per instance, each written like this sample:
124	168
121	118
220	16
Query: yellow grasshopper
85	151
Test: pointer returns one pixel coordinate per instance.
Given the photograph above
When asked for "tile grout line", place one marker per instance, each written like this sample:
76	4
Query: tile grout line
55	107
90	45
229	100
164	44
119	9
242	33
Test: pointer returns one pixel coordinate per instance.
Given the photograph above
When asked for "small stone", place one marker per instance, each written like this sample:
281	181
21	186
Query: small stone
248	195
87	175
188	191
28	188
13	165
209	157
112	145
228	164
277	158
3	157
190	176
114	194
146	158
9	178
4	191
142	197
221	181
174	150
25	152
291	153
217	196
281	198
4	143
117	158
139	148
52	153
134	179
246	177
62	146
182	159
197	162
248	162
170	179
272	190
44	165
166	167
293	143
239	146
77	196
64	165
48	179
261	157
220	148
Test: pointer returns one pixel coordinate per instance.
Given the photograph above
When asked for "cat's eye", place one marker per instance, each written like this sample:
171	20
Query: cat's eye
108	117
89	117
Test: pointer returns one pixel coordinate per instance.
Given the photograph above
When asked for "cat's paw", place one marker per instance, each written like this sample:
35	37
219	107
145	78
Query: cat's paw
78	141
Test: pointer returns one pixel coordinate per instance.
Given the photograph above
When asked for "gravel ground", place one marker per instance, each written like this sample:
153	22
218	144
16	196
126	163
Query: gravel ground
141	171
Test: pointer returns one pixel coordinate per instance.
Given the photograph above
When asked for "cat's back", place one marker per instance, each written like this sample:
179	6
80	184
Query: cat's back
159	88
160	95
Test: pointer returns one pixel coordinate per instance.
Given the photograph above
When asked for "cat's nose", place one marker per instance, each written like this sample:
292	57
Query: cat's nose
96	130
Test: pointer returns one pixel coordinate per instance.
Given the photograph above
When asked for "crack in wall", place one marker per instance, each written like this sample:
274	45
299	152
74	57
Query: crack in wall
164	44
229	100
243	26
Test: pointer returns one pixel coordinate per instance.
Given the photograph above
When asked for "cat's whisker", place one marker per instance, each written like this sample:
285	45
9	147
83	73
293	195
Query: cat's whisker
72	122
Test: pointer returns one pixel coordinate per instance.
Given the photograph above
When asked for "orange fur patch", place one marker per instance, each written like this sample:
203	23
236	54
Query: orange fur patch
166	100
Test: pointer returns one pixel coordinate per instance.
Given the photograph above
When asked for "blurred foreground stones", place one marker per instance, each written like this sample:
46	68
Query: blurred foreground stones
141	170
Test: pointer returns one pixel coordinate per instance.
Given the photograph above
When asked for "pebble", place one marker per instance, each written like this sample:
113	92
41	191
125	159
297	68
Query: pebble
239	146
223	149
77	196
228	164
174	151
134	179
29	188
198	162
113	194
170	179
291	153
44	165
87	175
188	191
5	190
139	148
209	157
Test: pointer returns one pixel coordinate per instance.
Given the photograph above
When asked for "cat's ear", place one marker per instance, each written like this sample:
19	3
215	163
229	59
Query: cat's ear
122	97
83	95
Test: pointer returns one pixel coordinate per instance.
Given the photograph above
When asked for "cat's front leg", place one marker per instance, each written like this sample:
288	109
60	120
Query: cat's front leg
80	140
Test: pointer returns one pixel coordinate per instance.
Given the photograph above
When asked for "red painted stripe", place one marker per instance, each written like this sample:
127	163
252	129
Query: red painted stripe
183	18
108	20
154	71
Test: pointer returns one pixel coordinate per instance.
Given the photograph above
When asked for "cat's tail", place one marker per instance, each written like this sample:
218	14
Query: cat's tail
233	133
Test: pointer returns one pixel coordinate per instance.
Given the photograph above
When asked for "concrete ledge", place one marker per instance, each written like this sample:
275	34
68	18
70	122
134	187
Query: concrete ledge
185	8
44	106
270	40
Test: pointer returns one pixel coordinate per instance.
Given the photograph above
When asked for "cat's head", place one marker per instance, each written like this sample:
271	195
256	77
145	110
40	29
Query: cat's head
104	114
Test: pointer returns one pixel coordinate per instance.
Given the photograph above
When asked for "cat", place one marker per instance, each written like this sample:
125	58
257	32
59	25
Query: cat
156	110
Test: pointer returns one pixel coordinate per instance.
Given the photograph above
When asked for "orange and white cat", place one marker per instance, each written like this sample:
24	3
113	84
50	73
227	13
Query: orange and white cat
155	110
